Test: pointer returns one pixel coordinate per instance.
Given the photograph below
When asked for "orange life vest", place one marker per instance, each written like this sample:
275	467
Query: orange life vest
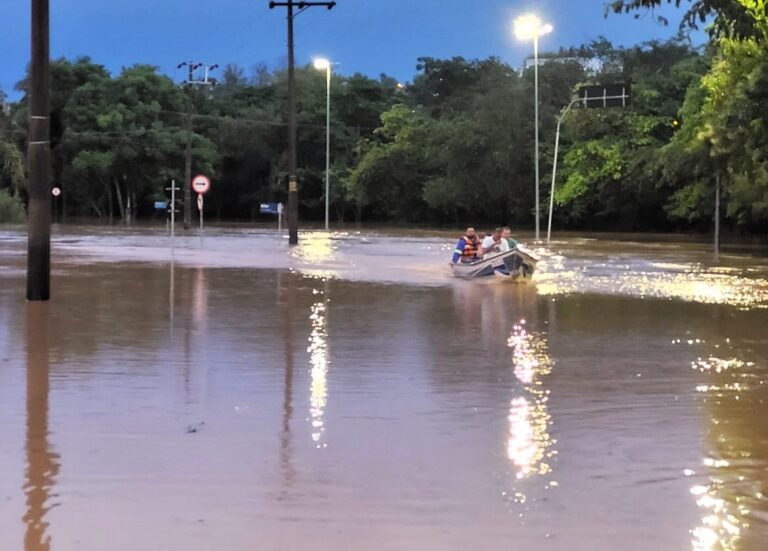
470	248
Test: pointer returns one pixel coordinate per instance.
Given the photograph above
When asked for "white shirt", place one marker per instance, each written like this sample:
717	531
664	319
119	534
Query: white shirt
500	247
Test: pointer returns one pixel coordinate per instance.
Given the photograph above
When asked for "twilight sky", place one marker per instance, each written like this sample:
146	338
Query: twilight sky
367	36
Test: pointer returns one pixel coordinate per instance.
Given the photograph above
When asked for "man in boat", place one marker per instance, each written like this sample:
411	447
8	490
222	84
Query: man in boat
467	248
506	235
494	244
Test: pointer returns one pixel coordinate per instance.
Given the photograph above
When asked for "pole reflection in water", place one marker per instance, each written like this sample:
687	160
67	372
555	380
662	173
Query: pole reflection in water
42	463
286	304
733	487
529	445
319	363
172	288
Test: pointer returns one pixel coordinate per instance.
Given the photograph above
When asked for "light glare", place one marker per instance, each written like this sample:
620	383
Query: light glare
530	26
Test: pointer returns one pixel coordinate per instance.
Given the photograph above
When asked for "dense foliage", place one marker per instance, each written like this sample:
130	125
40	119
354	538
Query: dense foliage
454	146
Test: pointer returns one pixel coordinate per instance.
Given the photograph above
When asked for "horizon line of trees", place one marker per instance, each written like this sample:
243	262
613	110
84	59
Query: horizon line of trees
453	147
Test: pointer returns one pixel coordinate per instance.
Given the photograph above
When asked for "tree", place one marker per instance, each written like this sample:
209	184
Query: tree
732	18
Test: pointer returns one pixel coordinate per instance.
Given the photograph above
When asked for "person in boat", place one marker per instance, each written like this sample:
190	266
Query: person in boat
494	244
467	248
506	235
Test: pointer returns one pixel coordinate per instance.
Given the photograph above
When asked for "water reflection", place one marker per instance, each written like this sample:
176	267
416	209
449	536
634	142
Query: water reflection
733	486
316	253
318	358
690	282
530	445
286	303
42	463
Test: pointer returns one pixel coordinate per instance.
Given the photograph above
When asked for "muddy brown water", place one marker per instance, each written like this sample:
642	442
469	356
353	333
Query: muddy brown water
349	394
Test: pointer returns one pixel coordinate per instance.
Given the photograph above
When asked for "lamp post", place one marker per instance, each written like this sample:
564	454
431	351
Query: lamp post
321	64
529	27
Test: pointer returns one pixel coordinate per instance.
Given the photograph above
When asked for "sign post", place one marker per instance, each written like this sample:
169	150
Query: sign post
200	208
273	208
172	207
201	184
56	192
589	97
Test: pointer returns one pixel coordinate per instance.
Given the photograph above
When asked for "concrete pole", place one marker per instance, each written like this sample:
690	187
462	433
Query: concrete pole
39	159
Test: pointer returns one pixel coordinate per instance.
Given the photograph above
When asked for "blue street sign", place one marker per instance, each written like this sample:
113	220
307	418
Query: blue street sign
270	208
160	205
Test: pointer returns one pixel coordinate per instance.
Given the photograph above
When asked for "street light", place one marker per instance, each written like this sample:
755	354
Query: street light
324	64
529	27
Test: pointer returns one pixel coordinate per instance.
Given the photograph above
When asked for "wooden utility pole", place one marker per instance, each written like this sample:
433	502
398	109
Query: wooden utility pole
192	66
293	184
39	158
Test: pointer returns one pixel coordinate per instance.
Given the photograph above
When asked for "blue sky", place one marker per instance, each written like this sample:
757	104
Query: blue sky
368	36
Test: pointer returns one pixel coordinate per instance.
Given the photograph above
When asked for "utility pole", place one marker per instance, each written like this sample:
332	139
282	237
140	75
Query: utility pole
192	66
293	185
39	158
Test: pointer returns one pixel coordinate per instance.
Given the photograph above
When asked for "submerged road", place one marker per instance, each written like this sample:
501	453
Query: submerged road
349	394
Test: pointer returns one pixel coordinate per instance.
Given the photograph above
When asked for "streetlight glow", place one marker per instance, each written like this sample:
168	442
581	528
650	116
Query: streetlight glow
530	27
321	64
525	26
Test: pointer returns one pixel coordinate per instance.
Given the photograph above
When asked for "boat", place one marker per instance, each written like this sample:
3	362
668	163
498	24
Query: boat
516	264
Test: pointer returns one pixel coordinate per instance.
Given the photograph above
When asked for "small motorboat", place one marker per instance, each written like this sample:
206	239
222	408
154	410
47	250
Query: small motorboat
516	264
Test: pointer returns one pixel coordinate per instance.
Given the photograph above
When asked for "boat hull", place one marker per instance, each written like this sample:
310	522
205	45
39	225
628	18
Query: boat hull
517	264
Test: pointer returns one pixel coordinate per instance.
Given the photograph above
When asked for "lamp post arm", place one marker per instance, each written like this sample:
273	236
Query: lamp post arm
560	119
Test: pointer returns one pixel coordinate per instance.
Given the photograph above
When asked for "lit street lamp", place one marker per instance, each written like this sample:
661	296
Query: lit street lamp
324	64
529	27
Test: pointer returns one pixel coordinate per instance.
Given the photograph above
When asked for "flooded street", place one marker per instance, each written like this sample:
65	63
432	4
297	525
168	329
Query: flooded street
349	394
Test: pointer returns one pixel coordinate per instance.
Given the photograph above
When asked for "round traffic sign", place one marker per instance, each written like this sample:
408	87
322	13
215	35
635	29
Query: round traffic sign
201	183
56	191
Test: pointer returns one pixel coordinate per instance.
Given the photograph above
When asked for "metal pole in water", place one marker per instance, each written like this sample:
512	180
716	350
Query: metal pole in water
717	213
200	206
173	210
536	123
39	158
327	145
554	175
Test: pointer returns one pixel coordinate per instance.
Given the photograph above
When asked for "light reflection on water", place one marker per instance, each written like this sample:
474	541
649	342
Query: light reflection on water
529	445
729	494
114	354
691	284
319	363
647	270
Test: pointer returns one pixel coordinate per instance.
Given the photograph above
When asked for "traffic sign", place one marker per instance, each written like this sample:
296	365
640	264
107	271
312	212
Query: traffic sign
201	183
56	191
200	202
602	96
269	208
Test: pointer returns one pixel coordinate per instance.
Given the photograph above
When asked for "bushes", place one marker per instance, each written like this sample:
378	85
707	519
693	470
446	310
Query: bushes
11	209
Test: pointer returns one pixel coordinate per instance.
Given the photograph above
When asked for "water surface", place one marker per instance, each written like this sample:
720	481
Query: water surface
348	394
